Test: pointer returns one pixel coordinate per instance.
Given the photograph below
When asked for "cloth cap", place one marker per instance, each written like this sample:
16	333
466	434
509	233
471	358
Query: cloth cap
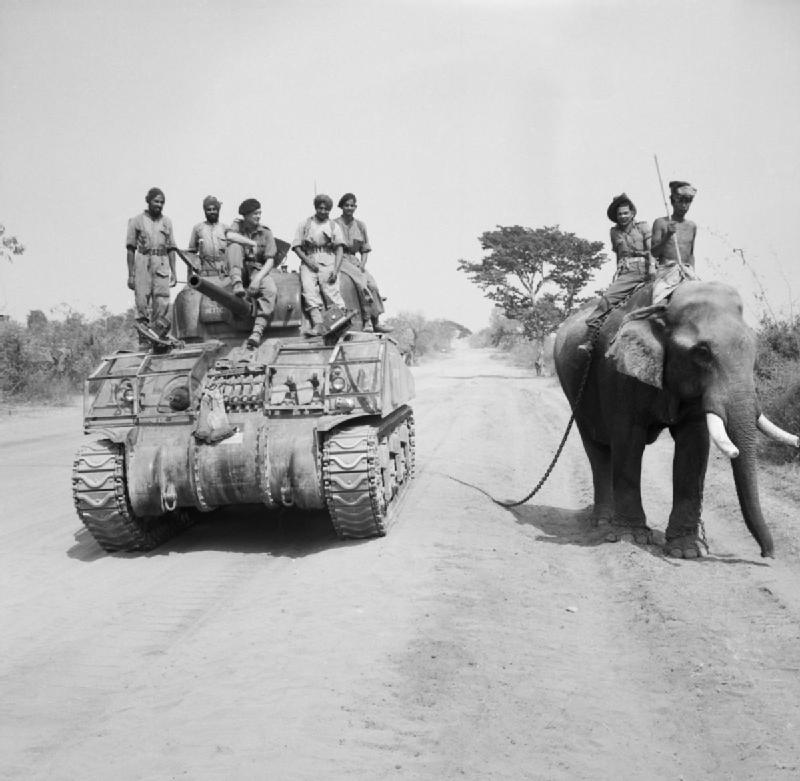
153	192
682	188
620	200
247	206
211	200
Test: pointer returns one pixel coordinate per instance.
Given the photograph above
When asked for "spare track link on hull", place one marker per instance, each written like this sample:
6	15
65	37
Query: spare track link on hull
366	469
98	488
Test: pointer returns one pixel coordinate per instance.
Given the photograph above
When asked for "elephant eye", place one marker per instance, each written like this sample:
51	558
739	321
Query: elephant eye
702	351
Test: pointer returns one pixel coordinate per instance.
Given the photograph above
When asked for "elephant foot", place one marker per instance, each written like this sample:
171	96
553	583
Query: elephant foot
687	547
601	515
641	533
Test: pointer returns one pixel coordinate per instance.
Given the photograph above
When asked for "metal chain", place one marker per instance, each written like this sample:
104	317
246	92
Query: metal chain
595	335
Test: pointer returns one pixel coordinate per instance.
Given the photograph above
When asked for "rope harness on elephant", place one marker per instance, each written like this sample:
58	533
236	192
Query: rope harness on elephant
594	336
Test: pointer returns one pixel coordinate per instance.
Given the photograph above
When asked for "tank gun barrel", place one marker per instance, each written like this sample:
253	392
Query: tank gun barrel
223	297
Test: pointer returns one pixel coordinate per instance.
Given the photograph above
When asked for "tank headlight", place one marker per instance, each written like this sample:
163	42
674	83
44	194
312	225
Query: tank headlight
125	393
338	383
180	398
347	404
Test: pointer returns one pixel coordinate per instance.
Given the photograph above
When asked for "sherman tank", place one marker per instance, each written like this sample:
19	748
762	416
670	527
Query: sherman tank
200	422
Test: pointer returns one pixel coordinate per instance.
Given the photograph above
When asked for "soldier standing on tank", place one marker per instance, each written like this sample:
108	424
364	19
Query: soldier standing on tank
208	240
151	263
251	256
630	241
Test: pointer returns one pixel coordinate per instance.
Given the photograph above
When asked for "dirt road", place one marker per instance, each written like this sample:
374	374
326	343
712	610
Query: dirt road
472	642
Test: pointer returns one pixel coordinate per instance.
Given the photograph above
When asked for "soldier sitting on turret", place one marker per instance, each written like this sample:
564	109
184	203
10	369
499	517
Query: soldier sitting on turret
251	257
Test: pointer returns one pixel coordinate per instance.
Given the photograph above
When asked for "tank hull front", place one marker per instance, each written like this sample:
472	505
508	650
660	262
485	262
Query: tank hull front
274	462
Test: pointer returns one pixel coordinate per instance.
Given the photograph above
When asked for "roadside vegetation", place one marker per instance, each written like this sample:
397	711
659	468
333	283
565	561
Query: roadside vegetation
47	360
778	381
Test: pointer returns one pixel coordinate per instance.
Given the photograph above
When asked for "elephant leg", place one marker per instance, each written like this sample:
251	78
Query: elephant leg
688	477
627	449
600	459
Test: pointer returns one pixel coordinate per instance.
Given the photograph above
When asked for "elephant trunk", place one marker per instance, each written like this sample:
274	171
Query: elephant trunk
741	428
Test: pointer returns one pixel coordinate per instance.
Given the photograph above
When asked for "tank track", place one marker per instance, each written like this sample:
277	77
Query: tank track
366	470
100	495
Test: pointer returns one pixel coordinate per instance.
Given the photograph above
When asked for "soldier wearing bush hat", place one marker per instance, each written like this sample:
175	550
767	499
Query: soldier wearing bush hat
630	241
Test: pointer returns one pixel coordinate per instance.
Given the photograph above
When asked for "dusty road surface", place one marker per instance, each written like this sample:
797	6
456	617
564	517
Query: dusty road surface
472	642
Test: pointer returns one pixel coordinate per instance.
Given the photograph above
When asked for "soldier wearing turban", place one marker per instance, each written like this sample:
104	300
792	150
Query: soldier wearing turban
151	264
319	243
208	239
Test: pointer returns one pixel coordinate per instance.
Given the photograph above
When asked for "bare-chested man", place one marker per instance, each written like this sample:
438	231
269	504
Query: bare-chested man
663	244
673	242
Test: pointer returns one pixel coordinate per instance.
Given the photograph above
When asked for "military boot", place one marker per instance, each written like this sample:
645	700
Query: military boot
316	323
380	329
254	340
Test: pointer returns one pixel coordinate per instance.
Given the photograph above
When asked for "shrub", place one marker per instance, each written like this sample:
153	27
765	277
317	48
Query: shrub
778	382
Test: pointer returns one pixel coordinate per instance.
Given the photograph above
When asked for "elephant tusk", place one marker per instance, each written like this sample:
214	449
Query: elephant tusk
716	430
766	426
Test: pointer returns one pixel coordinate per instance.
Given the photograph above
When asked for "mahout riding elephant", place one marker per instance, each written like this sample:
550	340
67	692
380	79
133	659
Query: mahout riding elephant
689	369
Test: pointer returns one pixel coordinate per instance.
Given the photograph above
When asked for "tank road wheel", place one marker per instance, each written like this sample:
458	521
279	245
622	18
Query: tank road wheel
100	494
366	469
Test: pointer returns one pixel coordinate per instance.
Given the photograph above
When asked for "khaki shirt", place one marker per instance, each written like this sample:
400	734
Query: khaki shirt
312	235
146	234
208	240
631	242
355	236
262	236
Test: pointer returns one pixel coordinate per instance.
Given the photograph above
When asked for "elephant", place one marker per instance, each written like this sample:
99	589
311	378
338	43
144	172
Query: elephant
688	368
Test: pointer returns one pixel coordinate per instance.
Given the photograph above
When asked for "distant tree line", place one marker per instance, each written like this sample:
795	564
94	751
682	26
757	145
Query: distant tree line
48	360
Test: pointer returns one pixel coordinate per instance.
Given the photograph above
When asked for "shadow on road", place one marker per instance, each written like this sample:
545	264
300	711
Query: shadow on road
561	526
575	527
292	534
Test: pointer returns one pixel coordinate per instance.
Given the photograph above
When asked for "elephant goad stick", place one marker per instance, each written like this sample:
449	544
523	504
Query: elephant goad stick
666	209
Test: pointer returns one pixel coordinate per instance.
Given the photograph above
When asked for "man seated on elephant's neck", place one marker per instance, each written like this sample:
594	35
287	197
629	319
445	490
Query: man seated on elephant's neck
673	238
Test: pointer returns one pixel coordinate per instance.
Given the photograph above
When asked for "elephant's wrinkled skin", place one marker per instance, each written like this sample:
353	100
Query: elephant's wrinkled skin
702	354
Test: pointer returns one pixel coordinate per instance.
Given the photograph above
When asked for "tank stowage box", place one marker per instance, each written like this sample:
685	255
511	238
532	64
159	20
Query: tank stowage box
320	422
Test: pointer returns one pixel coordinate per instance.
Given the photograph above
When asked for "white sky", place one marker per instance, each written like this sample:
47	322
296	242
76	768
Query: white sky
445	117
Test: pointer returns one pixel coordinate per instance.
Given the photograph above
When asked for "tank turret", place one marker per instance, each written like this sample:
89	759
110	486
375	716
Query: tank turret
309	423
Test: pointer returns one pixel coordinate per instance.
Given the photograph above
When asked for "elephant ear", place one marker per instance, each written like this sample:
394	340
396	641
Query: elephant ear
638	351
